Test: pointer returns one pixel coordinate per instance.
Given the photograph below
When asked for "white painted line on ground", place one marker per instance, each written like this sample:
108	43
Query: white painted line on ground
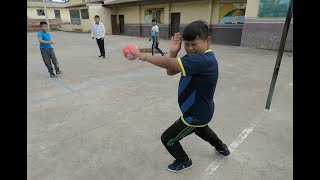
215	164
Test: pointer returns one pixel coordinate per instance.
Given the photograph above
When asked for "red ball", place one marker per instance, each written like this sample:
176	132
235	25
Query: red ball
128	51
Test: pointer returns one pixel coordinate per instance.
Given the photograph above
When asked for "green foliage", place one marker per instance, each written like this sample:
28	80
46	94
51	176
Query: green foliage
273	8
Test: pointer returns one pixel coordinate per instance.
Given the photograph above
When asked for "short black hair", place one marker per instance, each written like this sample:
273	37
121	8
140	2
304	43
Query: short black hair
43	23
96	16
196	29
154	20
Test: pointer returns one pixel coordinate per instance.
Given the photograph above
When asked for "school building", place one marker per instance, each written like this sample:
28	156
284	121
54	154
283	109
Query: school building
72	16
231	22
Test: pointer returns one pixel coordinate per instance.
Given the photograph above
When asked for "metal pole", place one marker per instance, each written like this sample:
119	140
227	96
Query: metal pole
279	57
45	12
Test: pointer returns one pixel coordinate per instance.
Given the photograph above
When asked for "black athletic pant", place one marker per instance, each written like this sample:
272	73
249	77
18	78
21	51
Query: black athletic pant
171	137
100	43
155	45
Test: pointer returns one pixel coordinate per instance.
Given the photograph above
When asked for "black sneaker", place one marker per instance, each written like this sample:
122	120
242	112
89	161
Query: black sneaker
53	76
104	56
177	166
223	150
101	55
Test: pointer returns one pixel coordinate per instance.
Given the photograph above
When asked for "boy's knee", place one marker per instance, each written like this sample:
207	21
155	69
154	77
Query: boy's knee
164	138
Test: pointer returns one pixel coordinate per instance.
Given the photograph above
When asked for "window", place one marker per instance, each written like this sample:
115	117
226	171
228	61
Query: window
84	14
40	12
75	16
57	15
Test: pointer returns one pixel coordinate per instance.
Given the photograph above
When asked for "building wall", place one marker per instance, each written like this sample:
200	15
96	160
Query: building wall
227	34
75	1
104	14
189	13
64	13
252	9
32	13
255	32
264	32
34	24
34	20
85	25
145	28
207	10
131	14
131	20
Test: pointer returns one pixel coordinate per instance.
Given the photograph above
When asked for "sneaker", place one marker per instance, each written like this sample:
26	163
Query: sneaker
104	56
53	76
223	150
101	55
177	166
58	72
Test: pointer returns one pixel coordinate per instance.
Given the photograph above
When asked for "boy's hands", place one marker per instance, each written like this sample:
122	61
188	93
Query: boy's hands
138	54
175	43
141	56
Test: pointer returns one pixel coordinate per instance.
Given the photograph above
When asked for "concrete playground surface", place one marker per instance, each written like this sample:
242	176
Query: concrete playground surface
103	119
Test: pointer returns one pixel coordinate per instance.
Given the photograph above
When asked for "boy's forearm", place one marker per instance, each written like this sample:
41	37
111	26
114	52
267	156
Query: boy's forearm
171	72
160	61
45	42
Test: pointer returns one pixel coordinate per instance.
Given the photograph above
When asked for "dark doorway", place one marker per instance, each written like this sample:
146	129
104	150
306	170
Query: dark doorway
114	24
57	15
175	23
121	21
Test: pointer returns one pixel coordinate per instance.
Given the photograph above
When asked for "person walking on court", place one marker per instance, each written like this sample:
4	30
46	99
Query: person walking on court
47	52
98	31
155	37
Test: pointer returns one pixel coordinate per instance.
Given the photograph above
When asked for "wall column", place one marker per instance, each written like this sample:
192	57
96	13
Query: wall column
210	4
